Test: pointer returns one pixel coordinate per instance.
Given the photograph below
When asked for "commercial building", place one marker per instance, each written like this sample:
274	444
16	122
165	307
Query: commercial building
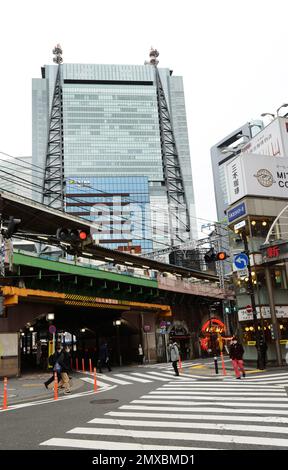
221	153
257	192
110	134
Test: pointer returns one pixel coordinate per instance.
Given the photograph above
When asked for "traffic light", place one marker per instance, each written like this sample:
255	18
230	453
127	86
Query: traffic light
73	236
12	227
211	256
272	332
221	255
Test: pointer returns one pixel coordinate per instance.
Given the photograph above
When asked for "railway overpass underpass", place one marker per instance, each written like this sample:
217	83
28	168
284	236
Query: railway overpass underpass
88	303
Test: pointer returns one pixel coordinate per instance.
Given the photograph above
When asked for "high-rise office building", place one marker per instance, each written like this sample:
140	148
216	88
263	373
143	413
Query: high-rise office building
103	127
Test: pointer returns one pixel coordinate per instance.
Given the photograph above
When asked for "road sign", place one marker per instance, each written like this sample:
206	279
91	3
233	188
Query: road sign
52	329
249	308
241	261
240	225
242	273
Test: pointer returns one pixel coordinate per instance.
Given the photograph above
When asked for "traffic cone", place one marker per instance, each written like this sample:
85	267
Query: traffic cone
5	406
55	386
95	380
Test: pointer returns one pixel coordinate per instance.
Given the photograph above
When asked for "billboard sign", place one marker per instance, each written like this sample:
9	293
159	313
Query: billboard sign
256	175
281	312
272	140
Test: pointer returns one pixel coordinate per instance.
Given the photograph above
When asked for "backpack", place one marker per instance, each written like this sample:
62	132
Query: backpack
57	368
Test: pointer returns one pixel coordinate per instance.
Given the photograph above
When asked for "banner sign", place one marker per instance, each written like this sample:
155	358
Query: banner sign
256	175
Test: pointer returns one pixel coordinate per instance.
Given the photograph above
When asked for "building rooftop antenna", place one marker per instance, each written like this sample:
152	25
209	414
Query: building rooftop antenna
153	54
57	51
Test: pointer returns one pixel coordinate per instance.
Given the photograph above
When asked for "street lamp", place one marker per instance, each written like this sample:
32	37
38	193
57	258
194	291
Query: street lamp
50	316
117	323
268	114
233	150
282	106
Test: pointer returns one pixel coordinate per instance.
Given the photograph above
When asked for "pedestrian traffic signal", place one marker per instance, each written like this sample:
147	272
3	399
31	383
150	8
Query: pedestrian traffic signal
74	236
11	228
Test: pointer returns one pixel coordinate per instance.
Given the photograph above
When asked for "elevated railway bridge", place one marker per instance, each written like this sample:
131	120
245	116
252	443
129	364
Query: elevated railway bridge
89	292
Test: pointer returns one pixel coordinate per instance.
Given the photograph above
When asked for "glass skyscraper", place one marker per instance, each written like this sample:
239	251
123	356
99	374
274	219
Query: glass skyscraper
111	140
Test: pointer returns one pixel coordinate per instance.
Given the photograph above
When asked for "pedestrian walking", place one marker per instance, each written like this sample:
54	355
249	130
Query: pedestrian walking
140	354
236	355
104	359
174	355
261	362
55	361
65	363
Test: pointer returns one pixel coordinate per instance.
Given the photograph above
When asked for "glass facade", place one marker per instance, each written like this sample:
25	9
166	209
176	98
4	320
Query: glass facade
111	132
118	205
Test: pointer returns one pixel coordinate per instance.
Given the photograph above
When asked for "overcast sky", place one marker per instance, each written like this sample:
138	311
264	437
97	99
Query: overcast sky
233	57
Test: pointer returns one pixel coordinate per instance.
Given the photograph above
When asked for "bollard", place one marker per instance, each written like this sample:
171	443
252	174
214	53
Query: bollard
216	364
83	365
55	386
223	364
5	406
90	366
77	366
71	363
95	380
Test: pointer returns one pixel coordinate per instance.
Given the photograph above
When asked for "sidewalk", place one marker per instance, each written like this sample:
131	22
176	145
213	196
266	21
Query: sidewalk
30	386
207	368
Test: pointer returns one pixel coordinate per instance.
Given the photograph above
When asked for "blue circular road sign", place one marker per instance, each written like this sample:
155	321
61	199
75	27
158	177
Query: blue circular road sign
241	261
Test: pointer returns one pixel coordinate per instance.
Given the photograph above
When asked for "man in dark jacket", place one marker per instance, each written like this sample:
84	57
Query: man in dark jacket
104	360
236	355
56	361
65	370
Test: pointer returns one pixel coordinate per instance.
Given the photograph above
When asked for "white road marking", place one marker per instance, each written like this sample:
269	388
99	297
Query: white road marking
108	445
186	416
195	425
91	381
182	436
109	379
150	376
51	400
216	393
231	403
204	408
136	379
201	397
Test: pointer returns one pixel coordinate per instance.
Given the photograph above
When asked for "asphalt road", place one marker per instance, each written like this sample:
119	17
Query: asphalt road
190	412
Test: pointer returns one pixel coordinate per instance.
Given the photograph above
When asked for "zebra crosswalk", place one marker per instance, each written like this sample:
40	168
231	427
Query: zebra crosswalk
104	380
189	415
146	376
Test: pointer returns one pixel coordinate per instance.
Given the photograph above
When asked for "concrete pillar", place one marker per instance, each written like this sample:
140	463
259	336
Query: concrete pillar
274	320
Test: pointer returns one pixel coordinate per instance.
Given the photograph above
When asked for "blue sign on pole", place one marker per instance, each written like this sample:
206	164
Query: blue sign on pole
241	261
236	212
